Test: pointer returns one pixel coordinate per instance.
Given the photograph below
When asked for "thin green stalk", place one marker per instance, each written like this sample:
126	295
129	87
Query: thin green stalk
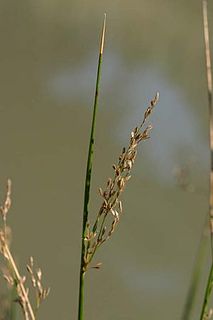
196	274
81	295
207	294
88	177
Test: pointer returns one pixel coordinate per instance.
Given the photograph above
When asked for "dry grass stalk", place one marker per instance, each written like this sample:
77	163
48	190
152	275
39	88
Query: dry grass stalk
209	85
12	275
36	280
205	314
111	206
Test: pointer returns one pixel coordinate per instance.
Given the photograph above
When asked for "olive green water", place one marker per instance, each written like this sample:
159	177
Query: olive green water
47	75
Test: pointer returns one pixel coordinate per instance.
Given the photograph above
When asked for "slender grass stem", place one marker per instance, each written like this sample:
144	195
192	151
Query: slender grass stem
81	295
88	177
207	294
196	274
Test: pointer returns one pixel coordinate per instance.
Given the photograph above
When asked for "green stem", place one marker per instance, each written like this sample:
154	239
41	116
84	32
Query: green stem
196	275
88	179
207	293
81	295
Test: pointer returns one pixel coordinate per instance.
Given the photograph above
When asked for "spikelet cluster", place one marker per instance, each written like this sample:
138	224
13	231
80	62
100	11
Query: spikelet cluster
111	207
10	270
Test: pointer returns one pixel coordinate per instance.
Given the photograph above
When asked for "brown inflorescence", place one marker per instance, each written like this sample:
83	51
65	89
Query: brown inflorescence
10	271
111	206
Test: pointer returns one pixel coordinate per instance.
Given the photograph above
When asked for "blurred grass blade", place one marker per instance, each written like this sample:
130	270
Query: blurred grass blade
88	175
210	107
204	310
196	275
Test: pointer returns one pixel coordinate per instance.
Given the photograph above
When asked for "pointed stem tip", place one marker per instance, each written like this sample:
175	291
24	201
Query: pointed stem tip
103	35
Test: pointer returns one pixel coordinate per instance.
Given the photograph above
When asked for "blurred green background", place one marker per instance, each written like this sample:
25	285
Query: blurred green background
48	63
